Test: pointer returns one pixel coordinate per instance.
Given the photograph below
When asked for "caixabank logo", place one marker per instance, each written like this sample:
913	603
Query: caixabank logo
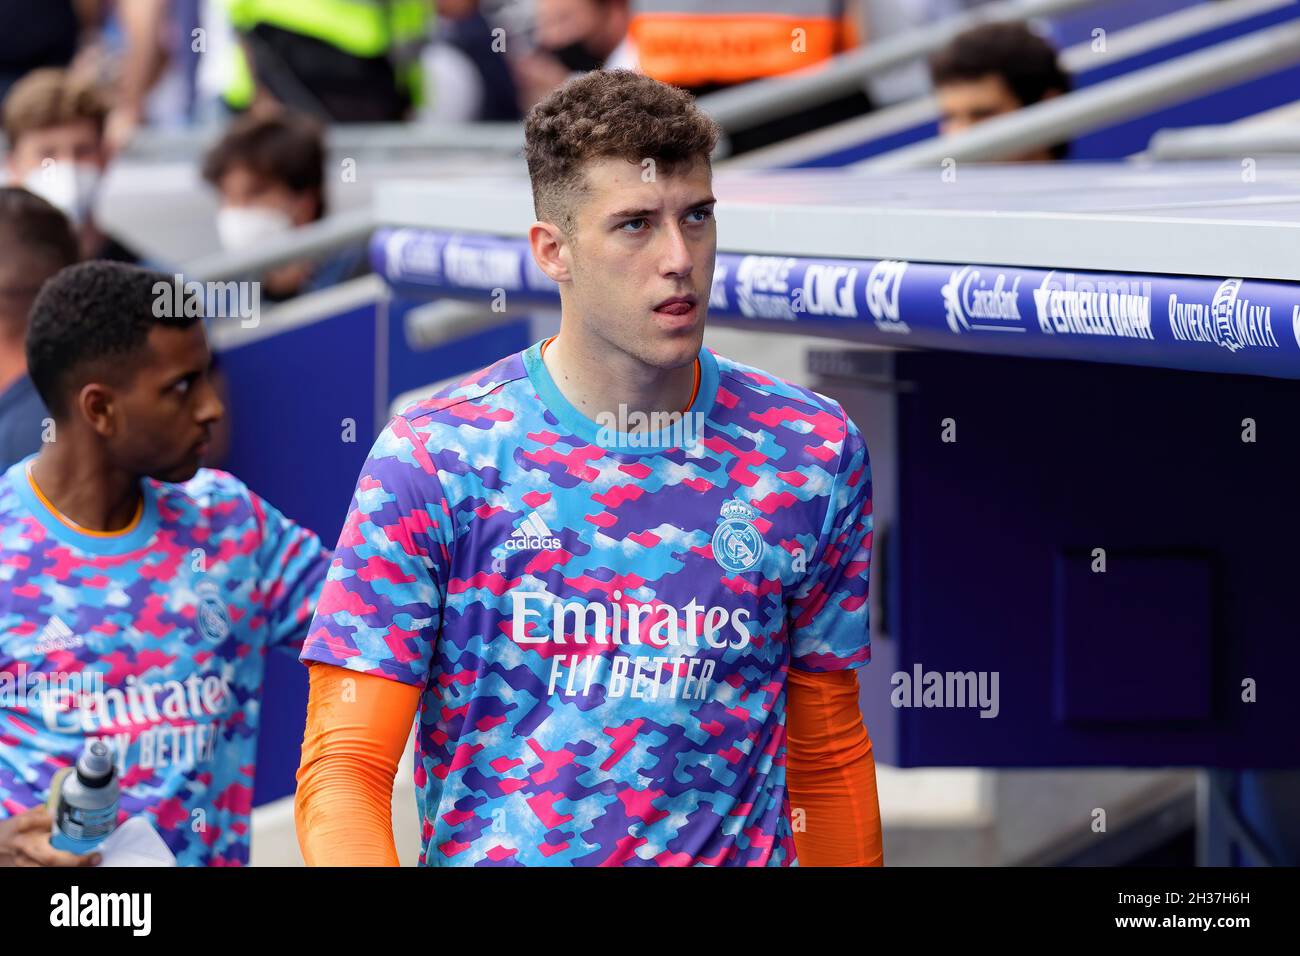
972	303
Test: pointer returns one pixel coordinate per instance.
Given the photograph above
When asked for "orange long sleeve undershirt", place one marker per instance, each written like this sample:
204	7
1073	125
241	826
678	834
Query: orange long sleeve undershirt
357	727
358	724
831	772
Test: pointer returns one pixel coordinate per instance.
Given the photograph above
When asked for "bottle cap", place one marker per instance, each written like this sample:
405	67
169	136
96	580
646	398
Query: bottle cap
95	768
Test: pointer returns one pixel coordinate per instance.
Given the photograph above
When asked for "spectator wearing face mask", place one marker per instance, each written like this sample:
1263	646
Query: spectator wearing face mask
269	171
574	36
54	122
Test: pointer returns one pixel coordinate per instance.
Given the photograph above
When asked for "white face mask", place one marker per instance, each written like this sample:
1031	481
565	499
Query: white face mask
241	227
70	187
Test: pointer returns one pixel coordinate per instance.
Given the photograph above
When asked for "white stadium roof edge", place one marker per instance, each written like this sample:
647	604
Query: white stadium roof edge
1221	218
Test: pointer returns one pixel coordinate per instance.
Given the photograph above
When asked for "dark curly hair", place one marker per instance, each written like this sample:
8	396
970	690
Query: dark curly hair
1026	62
282	146
92	320
608	113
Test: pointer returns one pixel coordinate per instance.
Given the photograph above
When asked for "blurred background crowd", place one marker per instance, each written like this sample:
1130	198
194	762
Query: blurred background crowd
261	84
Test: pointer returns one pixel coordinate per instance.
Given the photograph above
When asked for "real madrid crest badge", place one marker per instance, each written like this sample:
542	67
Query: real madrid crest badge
210	615
737	545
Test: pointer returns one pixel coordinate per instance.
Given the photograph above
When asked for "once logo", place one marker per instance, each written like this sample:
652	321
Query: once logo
737	545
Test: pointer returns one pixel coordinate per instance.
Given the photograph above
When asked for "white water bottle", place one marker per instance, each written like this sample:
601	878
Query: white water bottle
88	799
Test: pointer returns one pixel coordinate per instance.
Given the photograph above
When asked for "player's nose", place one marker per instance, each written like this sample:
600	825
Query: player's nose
675	252
210	408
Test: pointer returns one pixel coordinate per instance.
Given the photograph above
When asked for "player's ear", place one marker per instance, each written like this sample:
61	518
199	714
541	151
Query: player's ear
95	404
548	244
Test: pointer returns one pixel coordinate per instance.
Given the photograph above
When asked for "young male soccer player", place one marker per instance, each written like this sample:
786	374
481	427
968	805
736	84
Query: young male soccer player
138	593
624	647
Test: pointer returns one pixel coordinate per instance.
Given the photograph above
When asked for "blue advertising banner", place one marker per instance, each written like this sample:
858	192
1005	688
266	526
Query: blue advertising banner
1222	324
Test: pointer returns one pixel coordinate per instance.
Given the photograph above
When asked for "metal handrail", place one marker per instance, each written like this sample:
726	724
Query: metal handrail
152	144
748	105
1063	117
1076	59
1217	142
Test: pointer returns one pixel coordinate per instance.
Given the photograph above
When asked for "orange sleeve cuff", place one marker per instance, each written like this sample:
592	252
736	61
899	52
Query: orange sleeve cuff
357	727
830	772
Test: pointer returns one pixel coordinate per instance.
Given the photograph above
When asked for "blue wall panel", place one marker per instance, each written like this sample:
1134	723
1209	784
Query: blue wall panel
289	394
1054	459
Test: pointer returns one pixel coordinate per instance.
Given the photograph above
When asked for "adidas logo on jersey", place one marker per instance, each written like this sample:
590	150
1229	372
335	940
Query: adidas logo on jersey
56	636
532	535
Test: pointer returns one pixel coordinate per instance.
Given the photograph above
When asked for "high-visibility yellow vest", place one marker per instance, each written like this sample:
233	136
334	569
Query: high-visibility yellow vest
362	28
698	42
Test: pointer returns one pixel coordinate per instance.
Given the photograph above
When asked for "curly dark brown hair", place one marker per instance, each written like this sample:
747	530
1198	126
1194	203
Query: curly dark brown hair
608	113
1026	62
90	320
282	145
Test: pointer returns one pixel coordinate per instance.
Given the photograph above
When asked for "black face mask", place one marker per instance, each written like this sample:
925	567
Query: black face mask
576	57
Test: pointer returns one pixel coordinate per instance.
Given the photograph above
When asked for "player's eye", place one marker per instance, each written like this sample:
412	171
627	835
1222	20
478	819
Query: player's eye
632	222
184	385
704	215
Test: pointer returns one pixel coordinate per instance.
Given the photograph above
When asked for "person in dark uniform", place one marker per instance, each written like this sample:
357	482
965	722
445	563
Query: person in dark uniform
36	241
